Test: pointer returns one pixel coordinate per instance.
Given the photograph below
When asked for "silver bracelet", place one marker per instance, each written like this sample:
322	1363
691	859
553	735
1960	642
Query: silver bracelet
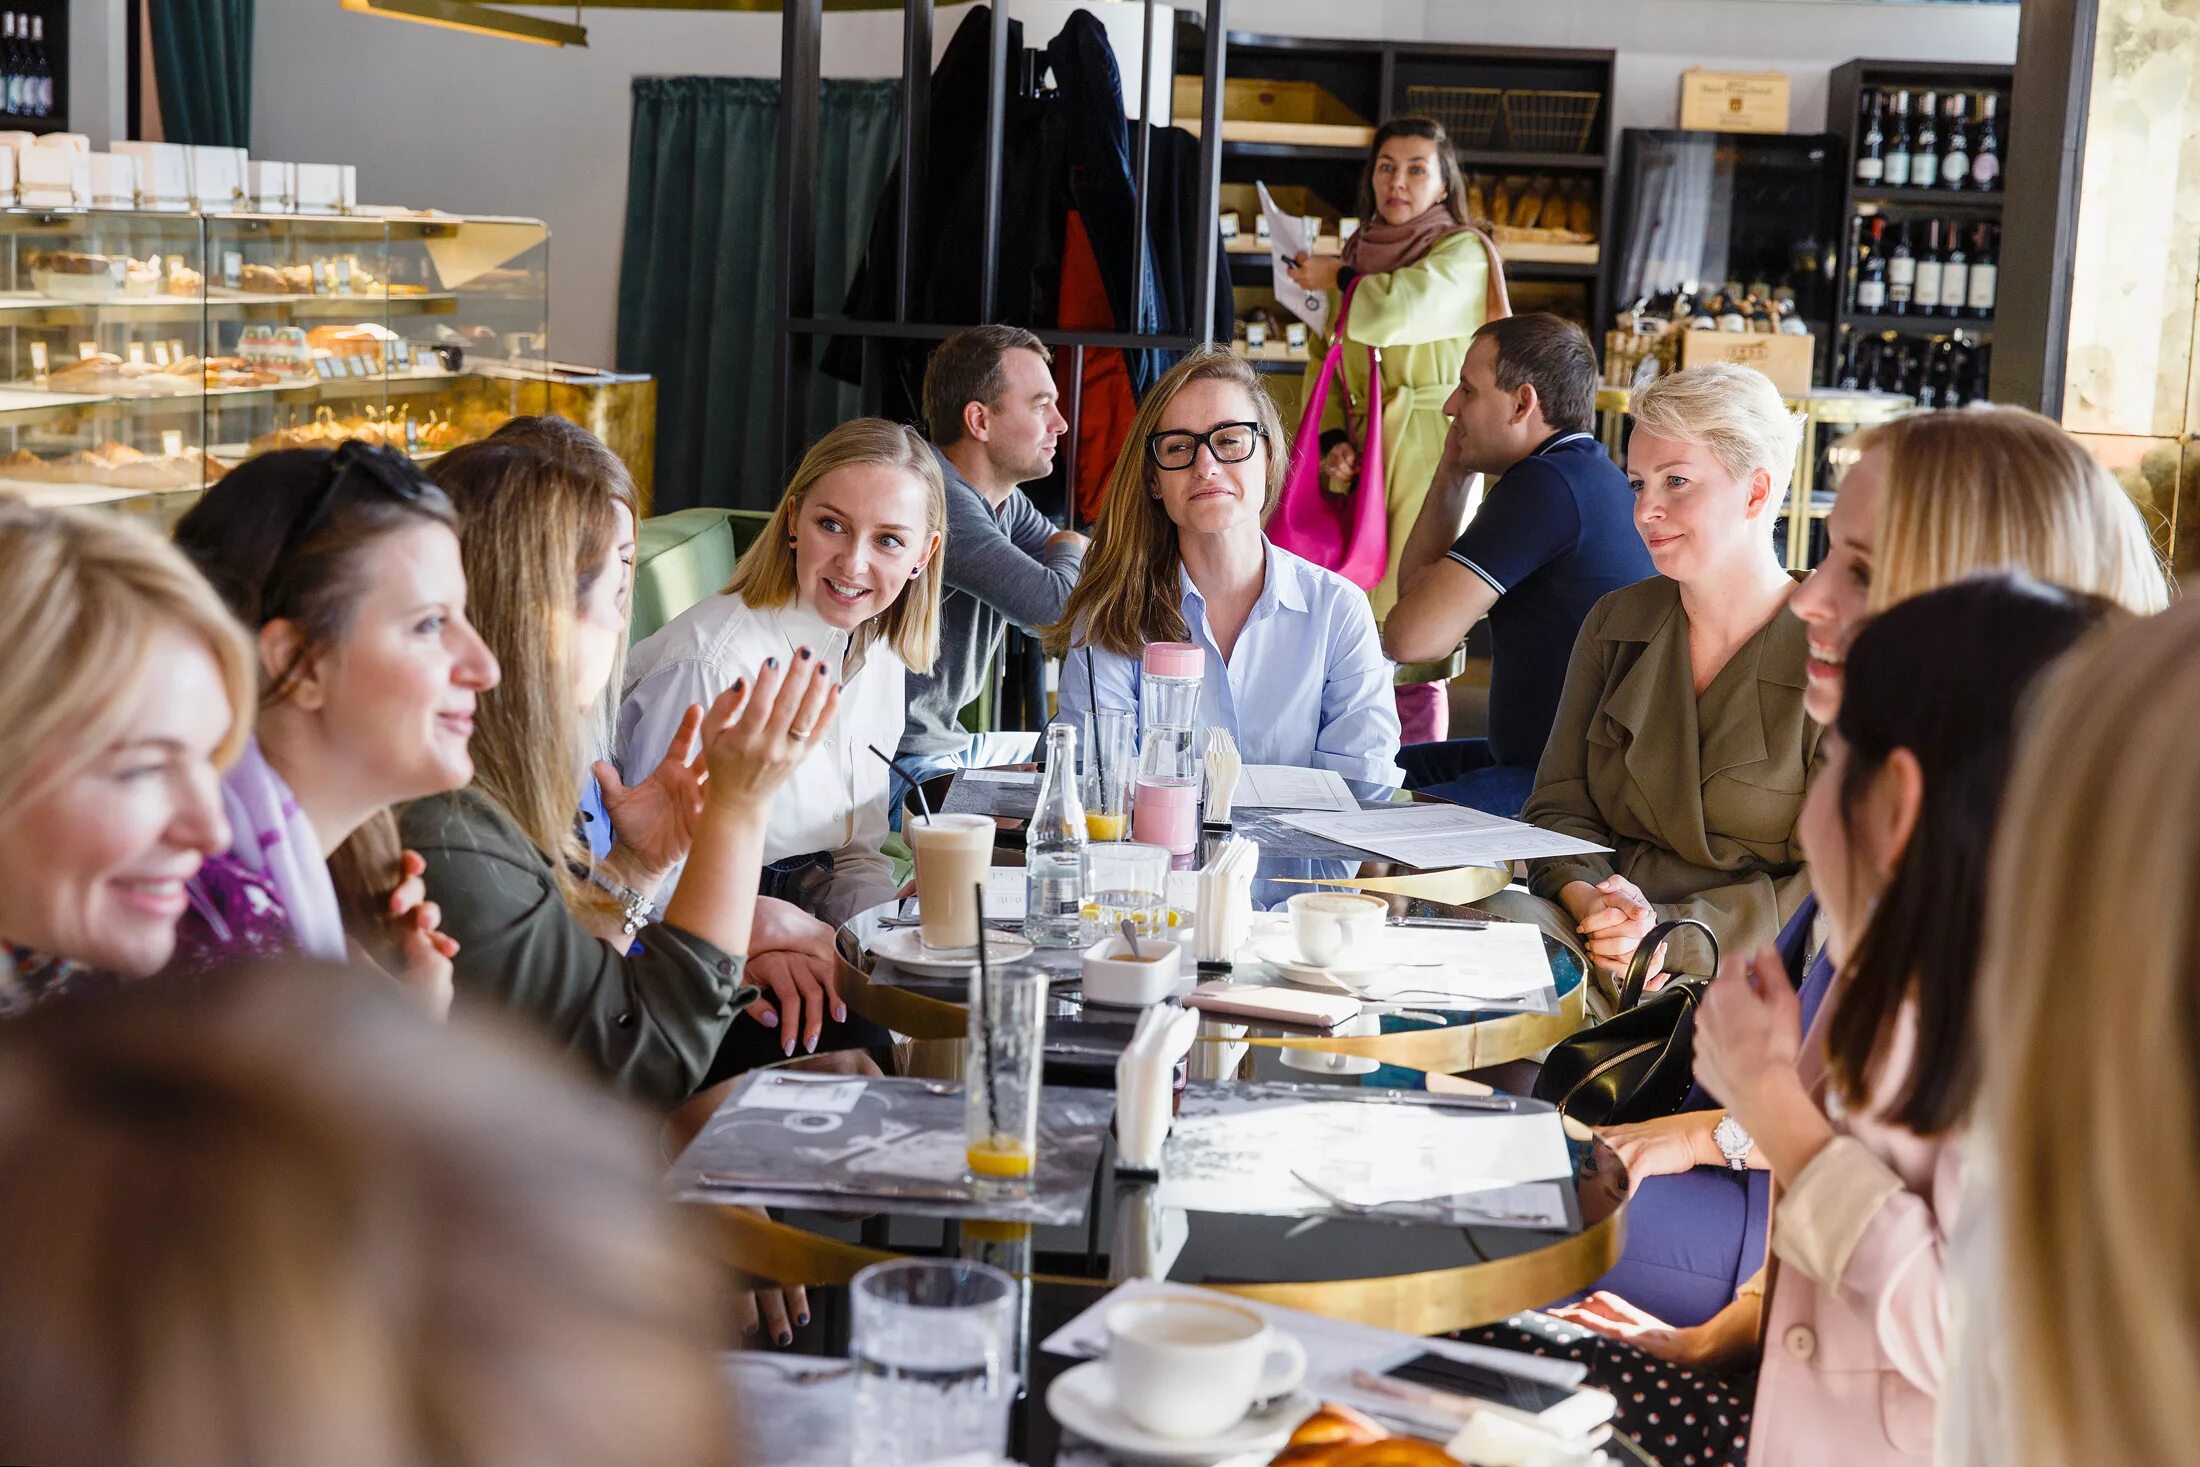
634	908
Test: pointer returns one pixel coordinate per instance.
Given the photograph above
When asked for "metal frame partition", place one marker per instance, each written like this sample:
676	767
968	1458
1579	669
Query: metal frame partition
801	42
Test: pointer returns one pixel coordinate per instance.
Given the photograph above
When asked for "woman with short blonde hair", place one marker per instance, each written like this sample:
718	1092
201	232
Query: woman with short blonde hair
846	572
128	686
1294	666
2076	1288
1680	742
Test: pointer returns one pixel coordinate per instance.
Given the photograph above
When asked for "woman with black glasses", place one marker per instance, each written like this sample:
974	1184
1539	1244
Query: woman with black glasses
344	566
1294	667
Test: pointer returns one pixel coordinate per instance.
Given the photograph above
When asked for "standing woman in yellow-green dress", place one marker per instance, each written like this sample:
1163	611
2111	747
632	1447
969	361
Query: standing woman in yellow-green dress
1427	280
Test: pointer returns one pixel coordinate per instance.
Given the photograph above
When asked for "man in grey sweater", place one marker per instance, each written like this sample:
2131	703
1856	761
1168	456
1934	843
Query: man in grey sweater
989	403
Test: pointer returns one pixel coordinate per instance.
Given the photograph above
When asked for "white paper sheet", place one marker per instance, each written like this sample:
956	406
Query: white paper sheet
1287	241
1430	836
1501	963
1287	787
1028	778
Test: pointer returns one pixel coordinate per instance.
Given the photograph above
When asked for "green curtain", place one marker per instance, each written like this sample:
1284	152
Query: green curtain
202	63
698	293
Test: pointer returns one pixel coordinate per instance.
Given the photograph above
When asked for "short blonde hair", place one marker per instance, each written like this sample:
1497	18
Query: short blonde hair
1733	411
81	594
765	576
2001	488
2091	973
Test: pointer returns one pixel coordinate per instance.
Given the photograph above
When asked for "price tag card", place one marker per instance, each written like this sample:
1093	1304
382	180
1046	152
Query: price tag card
232	268
160	354
86	350
137	353
38	358
171	442
175	348
327	368
359	364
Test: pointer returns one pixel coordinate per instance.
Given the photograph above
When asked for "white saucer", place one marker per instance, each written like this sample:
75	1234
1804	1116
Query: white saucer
1082	1398
904	948
1282	954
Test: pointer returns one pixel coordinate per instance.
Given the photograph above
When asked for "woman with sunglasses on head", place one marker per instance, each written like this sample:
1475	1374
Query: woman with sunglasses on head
344	566
1294	667
128	688
548	545
845	577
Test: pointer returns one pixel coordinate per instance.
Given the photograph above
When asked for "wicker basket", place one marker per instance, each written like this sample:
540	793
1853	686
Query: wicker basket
1550	122
1469	114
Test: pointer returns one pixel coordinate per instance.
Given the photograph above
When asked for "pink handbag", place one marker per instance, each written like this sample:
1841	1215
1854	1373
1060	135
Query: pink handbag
1347	533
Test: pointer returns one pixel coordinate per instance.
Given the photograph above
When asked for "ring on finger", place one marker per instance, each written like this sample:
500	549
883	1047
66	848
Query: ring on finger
799	734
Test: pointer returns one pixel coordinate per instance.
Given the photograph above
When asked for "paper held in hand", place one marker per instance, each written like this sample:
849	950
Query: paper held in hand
1433	836
1287	241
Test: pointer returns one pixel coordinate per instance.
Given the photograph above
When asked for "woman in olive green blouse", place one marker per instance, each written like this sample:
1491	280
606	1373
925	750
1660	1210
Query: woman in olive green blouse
1680	740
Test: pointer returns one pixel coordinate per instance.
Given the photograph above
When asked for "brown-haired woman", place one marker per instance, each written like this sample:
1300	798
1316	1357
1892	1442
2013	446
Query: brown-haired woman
545	930
279	1219
1294	668
128	686
344	565
846	573
1423	280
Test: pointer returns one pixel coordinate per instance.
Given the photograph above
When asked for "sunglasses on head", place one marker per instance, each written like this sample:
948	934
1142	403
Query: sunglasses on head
354	464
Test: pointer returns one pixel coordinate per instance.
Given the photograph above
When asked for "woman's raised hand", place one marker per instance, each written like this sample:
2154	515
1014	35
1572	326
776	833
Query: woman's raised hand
758	730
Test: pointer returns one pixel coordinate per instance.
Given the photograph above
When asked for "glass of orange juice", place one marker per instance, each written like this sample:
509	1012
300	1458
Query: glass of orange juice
1006	1039
1111	773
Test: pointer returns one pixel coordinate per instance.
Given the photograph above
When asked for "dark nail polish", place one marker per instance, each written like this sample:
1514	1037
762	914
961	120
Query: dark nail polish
786	1337
821	669
771	662
804	654
739	683
802	1319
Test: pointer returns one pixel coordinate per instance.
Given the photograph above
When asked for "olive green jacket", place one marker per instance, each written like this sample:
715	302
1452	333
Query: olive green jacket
650	1020
1697	797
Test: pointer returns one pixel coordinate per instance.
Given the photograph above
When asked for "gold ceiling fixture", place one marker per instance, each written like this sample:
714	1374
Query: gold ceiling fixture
477	19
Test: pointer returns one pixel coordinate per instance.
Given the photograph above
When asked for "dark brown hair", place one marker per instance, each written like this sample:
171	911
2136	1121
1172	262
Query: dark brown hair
278	1216
1943	675
966	368
1554	357
1429	129
249	537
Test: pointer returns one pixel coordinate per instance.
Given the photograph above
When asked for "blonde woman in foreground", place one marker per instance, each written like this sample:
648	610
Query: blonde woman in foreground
2076	1289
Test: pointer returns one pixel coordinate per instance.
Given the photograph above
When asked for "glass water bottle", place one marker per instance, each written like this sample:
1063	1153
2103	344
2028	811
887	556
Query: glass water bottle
1054	849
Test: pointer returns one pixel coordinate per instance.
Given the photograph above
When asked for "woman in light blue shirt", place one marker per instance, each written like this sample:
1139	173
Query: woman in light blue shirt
1295	669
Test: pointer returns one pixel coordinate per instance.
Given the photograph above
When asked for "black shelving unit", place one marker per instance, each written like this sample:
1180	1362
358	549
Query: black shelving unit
1375	79
1845	94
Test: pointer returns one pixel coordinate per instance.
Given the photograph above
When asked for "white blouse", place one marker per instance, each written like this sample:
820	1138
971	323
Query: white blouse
835	801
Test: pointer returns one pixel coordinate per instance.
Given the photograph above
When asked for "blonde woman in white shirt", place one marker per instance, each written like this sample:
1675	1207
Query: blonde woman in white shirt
847	570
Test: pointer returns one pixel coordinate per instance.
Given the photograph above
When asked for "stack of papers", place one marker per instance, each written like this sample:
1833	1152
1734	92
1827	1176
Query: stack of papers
1286	787
1432	836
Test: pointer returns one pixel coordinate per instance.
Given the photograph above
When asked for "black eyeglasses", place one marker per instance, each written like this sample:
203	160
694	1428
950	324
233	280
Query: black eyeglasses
380	467
1230	443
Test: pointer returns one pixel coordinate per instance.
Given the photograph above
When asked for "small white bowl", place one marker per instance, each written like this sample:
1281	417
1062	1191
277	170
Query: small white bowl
1113	977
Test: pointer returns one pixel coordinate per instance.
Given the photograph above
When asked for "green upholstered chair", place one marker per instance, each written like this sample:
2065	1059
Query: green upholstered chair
682	557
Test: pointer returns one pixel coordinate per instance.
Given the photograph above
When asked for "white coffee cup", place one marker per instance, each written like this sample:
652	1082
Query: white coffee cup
1328	924
1188	1369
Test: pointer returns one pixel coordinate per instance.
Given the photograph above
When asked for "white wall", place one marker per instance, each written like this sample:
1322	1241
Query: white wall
443	120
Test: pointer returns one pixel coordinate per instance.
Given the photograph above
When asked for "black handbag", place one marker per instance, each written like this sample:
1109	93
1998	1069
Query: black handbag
1638	1064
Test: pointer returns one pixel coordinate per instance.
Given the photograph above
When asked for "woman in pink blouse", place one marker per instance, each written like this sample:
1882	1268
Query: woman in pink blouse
1859	1120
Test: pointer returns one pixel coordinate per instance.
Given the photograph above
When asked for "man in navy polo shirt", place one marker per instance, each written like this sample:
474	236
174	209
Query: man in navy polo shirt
1555	532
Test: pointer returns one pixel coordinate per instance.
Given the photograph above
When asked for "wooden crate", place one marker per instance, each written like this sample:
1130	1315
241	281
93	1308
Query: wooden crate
1256	111
1734	101
1785	359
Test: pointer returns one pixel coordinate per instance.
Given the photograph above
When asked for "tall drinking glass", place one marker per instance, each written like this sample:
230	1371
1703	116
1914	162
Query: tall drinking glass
1111	773
1005	1044
933	1342
952	853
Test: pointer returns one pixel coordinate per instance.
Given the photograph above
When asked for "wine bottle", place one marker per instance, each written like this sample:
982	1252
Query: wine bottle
1847	379
1896	153
1955	274
1955	159
1986	158
1925	143
1901	272
41	84
1925	291
10	64
1871	283
1871	162
1985	271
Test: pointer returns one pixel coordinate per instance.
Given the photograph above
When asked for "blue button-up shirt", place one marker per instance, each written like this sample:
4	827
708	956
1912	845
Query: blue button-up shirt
1306	685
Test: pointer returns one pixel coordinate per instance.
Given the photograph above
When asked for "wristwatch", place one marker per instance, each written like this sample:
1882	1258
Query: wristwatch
634	908
1733	1143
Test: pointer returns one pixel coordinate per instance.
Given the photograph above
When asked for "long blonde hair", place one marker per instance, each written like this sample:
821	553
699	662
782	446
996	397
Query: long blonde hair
2004	488
765	575
535	528
281	1218
2091	1099
1131	593
81	595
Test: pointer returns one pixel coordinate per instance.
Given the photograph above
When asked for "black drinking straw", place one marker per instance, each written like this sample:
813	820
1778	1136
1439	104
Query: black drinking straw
914	783
984	1018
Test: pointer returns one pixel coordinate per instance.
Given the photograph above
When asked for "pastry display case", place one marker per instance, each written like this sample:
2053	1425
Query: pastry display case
144	354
